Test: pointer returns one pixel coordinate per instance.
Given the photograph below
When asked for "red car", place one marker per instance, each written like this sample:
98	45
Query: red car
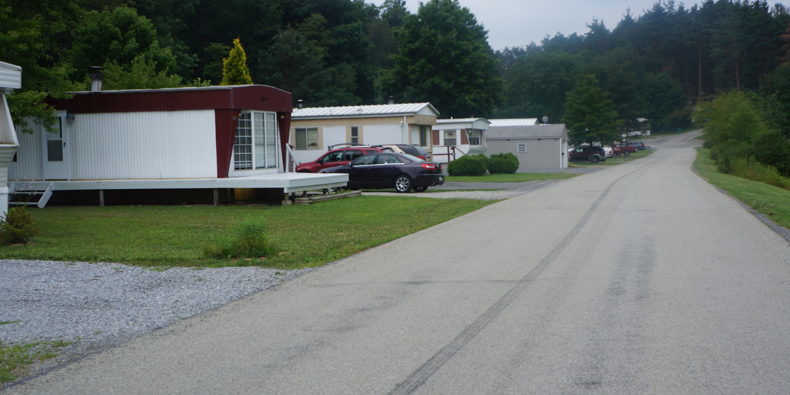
335	157
624	150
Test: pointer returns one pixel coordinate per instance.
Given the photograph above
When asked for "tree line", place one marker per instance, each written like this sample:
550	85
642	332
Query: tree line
347	52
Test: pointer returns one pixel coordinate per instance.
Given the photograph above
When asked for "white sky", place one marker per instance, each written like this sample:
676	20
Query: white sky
513	23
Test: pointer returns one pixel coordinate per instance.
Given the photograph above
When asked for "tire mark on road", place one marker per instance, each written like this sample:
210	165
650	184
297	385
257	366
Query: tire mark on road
424	372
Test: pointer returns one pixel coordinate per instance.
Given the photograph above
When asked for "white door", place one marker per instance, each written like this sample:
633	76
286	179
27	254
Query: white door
55	154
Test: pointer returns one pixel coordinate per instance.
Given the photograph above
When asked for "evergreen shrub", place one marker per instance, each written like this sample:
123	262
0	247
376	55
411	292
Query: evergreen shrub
18	226
468	165
506	163
249	242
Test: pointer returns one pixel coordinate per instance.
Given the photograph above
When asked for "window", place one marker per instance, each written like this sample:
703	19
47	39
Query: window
336	156
351	155
522	147
307	139
355	135
449	138
255	146
425	132
474	136
387	159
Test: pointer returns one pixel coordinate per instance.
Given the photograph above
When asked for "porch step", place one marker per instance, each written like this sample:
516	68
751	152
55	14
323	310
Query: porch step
25	197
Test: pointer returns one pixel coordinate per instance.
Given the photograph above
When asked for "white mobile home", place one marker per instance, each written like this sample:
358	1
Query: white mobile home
454	138
313	130
10	79
218	137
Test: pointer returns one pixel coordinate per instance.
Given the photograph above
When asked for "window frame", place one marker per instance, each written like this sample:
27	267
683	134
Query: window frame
446	137
306	132
249	153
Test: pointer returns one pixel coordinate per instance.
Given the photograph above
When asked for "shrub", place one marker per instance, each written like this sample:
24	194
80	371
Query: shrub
248	242
503	163
18	226
467	165
753	170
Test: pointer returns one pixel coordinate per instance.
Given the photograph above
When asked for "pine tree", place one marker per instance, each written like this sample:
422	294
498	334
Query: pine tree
589	113
234	68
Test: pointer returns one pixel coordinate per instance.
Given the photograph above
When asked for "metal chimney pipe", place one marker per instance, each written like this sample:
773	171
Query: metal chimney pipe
299	103
390	100
96	78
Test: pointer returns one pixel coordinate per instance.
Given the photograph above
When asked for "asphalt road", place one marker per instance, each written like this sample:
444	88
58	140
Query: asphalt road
641	278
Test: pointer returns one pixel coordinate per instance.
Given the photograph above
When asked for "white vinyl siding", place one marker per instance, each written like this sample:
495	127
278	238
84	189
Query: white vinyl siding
111	146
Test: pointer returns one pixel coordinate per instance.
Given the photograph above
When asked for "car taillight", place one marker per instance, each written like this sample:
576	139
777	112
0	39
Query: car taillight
428	166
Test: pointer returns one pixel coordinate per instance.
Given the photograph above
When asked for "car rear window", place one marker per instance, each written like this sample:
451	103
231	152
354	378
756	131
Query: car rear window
420	151
408	149
351	154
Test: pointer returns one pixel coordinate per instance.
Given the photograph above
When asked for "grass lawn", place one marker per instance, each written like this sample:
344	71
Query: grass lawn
615	161
771	201
516	177
15	359
303	236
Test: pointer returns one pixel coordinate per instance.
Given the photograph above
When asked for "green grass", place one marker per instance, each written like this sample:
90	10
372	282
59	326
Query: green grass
14	359
615	161
771	201
516	177
165	236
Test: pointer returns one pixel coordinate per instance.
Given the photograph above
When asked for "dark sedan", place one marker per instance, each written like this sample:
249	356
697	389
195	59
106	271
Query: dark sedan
390	170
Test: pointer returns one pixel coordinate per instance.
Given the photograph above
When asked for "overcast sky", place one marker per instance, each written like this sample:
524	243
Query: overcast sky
513	23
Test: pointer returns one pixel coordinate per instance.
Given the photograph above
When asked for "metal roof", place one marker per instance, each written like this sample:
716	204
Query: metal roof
514	122
362	111
527	132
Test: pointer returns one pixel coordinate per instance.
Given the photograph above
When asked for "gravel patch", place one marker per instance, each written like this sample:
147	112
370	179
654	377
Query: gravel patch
102	304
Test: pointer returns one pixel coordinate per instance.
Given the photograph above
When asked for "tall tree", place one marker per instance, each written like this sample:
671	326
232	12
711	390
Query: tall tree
535	85
234	67
118	36
36	35
444	58
589	114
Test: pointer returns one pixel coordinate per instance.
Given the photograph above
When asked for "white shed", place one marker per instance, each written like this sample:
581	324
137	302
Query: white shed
536	146
10	79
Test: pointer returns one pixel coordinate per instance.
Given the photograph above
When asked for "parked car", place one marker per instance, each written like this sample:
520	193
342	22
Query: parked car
609	151
638	144
335	157
413	150
620	149
390	170
584	153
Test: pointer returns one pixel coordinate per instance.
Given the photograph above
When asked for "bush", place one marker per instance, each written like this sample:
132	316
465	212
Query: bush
503	163
249	242
753	170
468	165
18	226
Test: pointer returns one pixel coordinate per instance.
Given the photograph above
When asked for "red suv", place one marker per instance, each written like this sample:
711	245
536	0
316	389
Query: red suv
335	157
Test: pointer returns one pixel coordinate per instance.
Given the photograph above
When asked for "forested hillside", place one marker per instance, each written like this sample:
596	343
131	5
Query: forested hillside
346	52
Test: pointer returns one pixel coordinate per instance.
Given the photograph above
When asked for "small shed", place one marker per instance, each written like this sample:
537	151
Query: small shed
537	146
313	130
10	79
454	138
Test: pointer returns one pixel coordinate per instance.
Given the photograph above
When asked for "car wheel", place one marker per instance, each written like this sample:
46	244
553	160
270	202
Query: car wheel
420	189
403	183
594	159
